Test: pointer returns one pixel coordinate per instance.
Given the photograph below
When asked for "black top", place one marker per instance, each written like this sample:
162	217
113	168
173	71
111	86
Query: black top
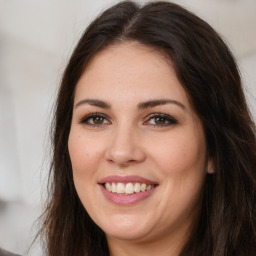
5	253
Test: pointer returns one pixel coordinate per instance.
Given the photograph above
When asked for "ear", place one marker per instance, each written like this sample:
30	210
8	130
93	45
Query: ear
210	167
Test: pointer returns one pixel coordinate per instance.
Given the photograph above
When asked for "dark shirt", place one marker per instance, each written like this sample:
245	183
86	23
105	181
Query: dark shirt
5	253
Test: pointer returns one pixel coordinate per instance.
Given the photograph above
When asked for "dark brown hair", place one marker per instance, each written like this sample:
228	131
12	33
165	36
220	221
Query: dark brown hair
207	71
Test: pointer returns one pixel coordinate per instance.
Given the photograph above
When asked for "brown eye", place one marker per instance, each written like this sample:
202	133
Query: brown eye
161	120
95	120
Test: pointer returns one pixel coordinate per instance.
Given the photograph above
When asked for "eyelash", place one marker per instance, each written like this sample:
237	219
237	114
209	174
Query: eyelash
85	120
168	120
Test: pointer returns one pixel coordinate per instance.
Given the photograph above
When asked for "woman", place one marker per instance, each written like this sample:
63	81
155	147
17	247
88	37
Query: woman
154	147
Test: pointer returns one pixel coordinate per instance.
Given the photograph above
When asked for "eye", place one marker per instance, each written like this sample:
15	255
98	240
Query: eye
95	119
160	120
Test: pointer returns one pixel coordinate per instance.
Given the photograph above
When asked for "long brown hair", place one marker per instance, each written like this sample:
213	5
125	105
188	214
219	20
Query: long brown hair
206	69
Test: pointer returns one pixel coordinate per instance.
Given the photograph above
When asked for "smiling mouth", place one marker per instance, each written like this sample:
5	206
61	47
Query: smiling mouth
127	188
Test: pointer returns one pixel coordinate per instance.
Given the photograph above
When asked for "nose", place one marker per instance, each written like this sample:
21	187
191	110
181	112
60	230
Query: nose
124	148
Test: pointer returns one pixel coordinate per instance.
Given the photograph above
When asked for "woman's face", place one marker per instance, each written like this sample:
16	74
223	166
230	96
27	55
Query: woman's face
137	148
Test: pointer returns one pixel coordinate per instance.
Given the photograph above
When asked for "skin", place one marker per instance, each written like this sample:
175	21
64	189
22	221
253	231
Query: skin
128	141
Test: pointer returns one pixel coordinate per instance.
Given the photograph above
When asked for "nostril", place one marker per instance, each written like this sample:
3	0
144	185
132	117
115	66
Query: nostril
125	155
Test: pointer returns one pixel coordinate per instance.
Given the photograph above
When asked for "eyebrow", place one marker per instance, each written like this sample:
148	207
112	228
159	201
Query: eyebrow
142	105
94	102
154	103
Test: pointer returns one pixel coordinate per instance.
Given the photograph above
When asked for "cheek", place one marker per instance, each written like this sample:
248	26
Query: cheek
84	160
181	161
178	154
84	154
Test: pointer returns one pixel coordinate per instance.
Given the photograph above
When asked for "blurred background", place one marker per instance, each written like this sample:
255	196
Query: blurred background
36	40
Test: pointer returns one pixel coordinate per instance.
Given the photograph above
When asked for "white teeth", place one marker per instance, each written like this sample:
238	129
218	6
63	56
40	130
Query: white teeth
148	187
129	188
143	187
137	188
114	188
120	188
108	186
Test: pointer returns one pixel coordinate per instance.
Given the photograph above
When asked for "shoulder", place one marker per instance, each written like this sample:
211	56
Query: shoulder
6	253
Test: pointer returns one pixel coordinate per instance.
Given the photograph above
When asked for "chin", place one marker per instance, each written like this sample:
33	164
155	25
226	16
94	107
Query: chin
125	227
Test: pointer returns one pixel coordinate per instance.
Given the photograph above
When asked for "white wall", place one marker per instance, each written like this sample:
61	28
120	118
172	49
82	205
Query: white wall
36	38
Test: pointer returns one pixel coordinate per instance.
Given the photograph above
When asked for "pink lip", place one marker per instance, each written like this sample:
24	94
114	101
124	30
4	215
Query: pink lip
127	179
123	199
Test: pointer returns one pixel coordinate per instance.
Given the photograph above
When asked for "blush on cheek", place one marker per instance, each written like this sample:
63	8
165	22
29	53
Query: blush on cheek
181	161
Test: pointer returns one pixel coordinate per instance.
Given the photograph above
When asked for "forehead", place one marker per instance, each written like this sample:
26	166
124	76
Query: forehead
128	56
130	71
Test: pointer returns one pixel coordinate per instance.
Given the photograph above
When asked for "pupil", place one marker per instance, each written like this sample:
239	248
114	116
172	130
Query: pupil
98	120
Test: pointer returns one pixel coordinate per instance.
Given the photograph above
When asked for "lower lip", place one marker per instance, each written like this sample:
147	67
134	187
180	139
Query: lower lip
124	199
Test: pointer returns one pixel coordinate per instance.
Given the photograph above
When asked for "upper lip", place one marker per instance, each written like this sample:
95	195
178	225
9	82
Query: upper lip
127	179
